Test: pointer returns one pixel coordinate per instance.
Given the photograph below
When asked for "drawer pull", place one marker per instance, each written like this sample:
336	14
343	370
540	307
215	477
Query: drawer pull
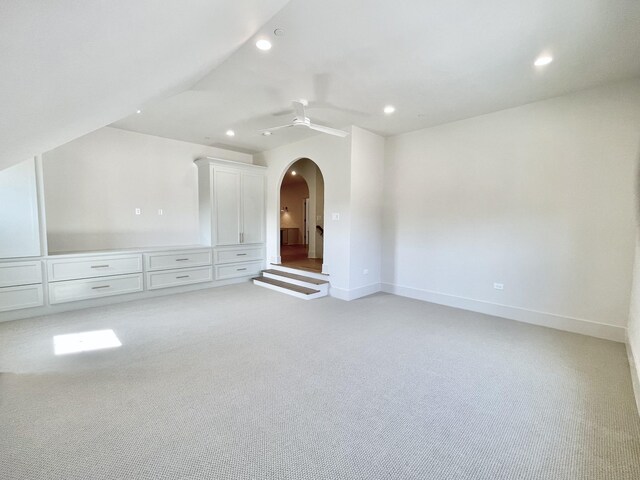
101	286
240	254
182	259
99	266
183	276
240	269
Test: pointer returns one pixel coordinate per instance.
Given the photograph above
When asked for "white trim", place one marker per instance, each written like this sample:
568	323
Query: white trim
355	293
635	375
551	320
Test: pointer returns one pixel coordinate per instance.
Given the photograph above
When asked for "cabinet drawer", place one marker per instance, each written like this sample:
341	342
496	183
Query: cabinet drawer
89	267
177	259
238	270
73	290
15	298
20	273
240	254
174	278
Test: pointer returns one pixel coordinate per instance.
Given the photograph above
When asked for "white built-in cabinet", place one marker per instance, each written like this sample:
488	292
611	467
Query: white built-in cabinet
234	200
19	214
232	215
232	221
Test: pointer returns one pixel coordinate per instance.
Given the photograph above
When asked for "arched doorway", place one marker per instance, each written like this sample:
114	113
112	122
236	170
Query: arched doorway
302	216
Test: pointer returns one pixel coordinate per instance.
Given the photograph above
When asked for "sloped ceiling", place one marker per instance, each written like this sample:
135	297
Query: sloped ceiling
68	67
436	61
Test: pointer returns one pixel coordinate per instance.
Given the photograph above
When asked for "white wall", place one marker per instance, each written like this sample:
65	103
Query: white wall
539	198
332	155
633	328
94	184
367	182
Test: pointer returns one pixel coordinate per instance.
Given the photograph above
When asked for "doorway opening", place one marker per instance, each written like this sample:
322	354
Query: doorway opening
302	216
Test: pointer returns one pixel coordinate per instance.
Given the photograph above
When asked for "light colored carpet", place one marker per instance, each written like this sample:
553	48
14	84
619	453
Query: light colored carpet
245	383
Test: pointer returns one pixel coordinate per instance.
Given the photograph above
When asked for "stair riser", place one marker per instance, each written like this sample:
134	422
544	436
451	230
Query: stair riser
298	271
290	292
324	288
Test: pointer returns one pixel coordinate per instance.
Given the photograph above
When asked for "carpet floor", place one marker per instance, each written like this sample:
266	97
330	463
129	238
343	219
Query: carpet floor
241	382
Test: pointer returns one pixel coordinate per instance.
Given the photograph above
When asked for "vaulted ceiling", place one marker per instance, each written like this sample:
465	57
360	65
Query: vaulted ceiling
434	61
69	67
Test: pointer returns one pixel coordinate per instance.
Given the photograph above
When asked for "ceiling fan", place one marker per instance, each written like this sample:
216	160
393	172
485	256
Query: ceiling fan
301	120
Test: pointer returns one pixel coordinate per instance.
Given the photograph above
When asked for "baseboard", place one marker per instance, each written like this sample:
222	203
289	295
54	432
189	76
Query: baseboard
559	322
635	377
355	293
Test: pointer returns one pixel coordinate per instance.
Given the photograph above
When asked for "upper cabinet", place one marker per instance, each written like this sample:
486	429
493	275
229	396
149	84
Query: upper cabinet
19	216
232	202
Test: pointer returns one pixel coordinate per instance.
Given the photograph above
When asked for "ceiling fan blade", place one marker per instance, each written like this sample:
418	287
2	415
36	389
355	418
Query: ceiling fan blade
330	131
280	113
273	129
299	110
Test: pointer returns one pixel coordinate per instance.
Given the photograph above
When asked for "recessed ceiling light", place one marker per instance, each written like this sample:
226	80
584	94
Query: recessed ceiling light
293	172
263	44
231	133
389	109
278	32
543	60
266	134
138	111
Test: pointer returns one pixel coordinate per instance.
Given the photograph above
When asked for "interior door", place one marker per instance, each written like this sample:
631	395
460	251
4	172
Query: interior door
253	192
227	205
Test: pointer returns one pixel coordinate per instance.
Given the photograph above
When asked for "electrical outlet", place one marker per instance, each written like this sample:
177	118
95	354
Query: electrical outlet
498	286
138	211
160	211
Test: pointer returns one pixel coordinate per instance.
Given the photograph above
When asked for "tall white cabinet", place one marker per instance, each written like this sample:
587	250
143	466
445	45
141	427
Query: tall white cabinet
19	215
232	215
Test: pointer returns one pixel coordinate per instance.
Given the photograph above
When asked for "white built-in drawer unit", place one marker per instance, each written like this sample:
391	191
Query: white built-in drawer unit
238	254
24	296
20	273
20	285
93	266
177	259
74	290
175	278
237	270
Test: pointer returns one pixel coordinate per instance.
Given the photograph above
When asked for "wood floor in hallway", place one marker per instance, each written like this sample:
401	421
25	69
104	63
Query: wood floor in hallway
297	256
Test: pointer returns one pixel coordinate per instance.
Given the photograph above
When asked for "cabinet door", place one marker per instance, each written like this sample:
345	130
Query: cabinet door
19	226
227	207
253	190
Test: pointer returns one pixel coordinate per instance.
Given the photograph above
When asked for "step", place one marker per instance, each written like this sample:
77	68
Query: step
300	271
295	279
295	276
288	288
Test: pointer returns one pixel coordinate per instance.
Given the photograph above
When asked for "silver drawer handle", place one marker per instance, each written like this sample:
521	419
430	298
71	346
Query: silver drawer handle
240	269
240	254
99	266
101	286
183	276
182	259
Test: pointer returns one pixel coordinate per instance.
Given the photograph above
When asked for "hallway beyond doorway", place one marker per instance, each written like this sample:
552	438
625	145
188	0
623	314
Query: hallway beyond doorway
296	256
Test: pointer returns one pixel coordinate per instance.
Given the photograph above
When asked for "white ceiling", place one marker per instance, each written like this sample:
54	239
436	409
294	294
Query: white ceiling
68	67
435	61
